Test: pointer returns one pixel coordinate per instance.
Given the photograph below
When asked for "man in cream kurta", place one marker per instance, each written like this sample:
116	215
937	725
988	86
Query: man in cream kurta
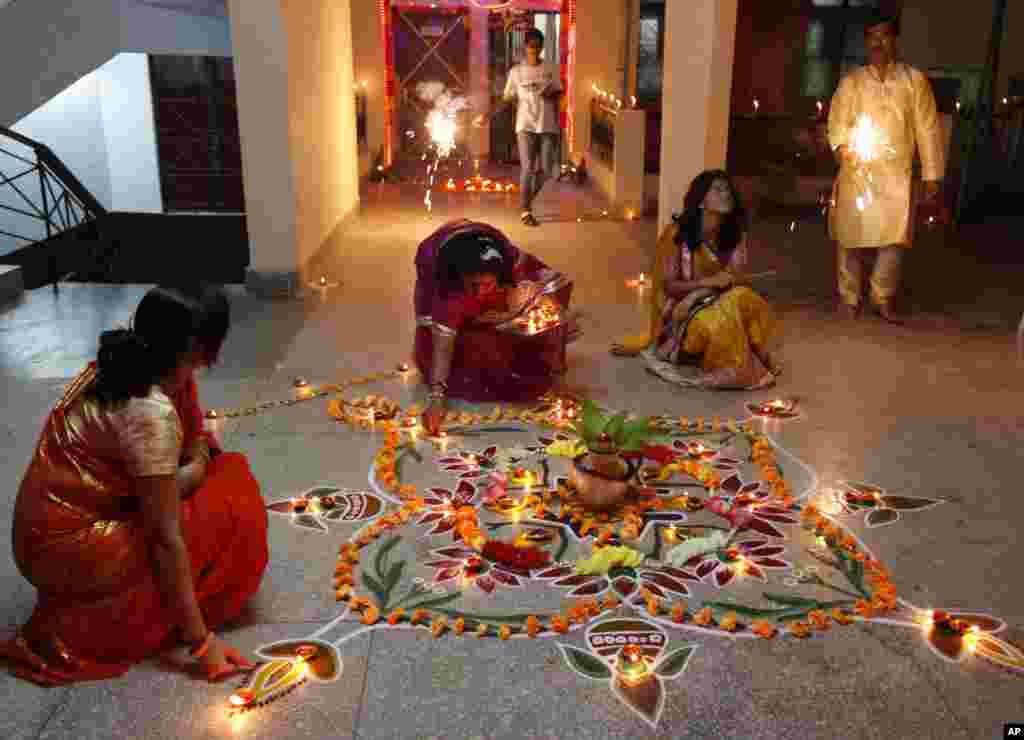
879	115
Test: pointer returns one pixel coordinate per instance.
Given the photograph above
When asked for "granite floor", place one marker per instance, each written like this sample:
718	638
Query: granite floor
934	408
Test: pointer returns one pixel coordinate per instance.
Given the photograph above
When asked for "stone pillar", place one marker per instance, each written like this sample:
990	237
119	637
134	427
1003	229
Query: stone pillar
699	43
479	81
293	62
600	52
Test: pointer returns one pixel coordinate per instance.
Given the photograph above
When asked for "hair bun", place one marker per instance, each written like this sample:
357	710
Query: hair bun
122	354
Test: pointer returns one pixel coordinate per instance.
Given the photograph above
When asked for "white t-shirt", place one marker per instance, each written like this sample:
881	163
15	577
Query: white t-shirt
535	113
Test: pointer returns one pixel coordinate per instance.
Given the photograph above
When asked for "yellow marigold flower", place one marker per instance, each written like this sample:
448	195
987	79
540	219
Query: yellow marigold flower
651	602
799	629
533	626
610	602
505	632
343	593
481	629
405	490
343	579
841	617
439	625
819	619
728	622
763	629
459	626
396	616
704	617
370	615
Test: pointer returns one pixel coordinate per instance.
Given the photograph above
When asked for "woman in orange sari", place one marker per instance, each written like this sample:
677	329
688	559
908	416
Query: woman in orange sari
708	329
134	536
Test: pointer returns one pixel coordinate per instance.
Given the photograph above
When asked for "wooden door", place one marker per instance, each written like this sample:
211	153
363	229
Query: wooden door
198	143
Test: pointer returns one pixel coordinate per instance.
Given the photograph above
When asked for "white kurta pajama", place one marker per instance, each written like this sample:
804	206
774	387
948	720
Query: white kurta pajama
902	111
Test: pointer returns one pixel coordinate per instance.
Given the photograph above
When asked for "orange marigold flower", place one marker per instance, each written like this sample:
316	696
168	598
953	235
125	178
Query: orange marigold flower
864	608
652	605
849	542
370	615
809	512
439	625
406	489
459	626
704	617
770	474
678	613
533	626
841	617
505	632
858	556
559	624
343	593
343	567
819	619
610	602
821	523
763	629
728	622
482	629
799	629
592	607
420	615
343	579
388	477
396	616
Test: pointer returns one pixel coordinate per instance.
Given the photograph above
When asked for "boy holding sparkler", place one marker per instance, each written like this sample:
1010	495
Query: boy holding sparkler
535	88
879	115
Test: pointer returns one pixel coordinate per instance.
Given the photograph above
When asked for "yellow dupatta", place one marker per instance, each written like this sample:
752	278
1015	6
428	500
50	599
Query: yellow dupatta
634	345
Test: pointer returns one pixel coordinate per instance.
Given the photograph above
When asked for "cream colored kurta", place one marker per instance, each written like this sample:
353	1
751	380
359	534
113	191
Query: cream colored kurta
902	110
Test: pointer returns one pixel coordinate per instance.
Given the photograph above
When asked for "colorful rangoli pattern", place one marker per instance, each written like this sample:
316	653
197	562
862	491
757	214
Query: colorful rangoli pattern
481	535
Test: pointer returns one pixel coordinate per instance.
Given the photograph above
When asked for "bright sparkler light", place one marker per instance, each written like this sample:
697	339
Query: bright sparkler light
442	129
866	139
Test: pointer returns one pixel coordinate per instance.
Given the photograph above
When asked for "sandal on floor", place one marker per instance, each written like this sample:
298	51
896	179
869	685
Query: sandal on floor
528	219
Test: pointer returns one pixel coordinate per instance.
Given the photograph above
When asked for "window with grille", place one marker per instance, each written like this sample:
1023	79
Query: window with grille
834	44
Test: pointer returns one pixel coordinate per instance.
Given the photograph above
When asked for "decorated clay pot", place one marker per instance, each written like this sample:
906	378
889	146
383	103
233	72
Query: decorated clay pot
602	481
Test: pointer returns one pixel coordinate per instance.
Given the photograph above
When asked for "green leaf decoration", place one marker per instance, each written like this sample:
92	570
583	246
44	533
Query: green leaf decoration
745	611
615	428
673	664
637	433
382	553
375	586
593	422
791	600
393	576
439	601
584	663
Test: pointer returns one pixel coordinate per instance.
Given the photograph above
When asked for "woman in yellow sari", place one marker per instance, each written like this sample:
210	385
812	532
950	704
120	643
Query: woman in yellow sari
703	313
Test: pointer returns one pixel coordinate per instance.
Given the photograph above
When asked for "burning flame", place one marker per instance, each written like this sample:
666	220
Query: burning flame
866	140
442	129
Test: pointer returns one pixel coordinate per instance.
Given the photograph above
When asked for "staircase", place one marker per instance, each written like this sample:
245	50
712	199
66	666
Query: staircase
84	242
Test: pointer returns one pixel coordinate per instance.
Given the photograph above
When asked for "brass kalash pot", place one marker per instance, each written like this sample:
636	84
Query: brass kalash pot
602	477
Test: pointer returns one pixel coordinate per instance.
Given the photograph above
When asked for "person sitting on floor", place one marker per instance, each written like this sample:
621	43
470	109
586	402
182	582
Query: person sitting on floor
472	285
134	537
702	311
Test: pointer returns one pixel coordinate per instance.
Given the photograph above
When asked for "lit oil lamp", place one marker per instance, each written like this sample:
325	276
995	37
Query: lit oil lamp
633	666
241	698
212	414
302	389
672	535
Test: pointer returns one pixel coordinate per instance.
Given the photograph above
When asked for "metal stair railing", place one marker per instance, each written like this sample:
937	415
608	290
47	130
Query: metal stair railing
62	201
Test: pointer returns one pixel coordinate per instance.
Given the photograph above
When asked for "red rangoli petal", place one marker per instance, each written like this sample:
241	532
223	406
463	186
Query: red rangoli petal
485	583
555	572
508	579
707	567
724	576
446	575
772	563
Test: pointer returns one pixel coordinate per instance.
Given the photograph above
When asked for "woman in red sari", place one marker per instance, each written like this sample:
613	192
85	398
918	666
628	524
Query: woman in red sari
474	289
133	535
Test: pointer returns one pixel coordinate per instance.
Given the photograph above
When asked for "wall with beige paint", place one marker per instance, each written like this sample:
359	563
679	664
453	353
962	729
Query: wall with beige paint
601	27
322	115
368	66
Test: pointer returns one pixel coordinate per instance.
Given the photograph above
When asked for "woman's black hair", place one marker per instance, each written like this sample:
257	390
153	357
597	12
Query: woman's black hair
534	34
690	221
472	253
216	320
130	361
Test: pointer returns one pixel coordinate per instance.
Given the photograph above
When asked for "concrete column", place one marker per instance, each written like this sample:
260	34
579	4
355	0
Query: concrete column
479	81
699	42
293	61
632	45
260	46
600	52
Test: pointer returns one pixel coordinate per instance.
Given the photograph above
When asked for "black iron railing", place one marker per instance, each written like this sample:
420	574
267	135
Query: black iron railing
56	198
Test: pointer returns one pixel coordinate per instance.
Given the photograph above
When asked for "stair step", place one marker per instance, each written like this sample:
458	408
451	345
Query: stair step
11	284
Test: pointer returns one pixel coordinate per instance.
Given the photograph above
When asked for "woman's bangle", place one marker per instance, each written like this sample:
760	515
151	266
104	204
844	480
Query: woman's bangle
198	650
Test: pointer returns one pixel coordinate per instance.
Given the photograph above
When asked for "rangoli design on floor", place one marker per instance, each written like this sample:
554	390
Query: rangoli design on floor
482	534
